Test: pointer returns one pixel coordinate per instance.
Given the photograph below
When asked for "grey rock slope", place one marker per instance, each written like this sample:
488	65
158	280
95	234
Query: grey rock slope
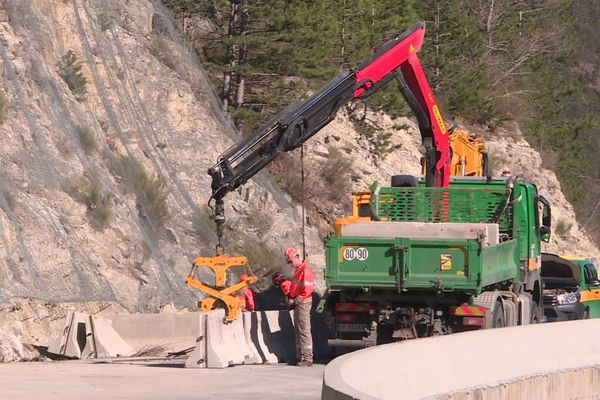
147	102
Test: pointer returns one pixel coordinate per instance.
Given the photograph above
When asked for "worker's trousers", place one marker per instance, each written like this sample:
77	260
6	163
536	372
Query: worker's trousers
304	347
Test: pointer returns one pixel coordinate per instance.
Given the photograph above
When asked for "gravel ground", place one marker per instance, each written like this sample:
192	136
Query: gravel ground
68	380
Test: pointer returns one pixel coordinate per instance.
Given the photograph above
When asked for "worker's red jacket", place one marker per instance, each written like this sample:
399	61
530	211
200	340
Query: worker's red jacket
302	284
247	297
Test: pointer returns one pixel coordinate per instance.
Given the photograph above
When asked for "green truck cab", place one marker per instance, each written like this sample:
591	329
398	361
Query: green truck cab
589	285
414	261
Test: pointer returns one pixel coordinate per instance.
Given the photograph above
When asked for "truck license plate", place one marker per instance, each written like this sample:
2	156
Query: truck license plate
352	327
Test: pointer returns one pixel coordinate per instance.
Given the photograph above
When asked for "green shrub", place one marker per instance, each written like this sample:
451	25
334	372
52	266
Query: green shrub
380	142
105	22
152	198
286	170
327	185
263	260
159	48
97	201
200	220
402	127
496	162
3	103
335	176
69	69
86	138
562	227
103	125
151	191
261	222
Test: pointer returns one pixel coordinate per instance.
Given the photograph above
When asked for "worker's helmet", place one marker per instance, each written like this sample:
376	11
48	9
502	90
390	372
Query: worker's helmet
291	252
243	277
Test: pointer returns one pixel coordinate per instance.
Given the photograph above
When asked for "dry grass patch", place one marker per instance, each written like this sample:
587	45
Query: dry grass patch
97	201
151	191
69	69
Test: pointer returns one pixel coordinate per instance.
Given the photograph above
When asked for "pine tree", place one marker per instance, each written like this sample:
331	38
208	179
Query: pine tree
451	56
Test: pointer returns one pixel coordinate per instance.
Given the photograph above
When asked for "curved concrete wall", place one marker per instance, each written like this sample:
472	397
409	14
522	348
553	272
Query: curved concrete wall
547	361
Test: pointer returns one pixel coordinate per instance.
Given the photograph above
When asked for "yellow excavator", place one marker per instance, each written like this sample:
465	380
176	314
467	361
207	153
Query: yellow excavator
468	154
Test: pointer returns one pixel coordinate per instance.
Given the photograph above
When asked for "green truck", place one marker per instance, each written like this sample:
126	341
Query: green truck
571	288
420	257
589	285
414	261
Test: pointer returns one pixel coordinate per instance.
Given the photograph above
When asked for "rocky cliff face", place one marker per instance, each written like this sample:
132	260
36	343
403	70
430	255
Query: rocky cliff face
79	231
146	111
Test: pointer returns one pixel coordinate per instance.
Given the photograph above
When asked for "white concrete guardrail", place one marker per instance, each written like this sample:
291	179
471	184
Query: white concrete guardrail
547	361
253	338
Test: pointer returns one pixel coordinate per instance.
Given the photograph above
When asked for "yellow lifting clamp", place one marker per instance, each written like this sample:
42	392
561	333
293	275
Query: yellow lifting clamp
220	264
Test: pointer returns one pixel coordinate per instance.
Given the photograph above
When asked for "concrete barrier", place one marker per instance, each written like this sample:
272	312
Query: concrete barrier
84	336
103	341
267	337
278	334
171	332
197	358
72	339
255	337
226	343
544	361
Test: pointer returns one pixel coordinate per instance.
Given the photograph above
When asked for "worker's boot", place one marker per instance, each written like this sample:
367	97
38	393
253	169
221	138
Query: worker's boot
305	364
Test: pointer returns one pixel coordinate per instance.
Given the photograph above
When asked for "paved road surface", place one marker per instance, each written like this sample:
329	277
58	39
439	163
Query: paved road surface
73	380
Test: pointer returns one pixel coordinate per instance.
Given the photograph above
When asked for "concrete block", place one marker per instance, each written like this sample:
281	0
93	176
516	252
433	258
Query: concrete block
71	340
559	361
172	332
278	334
197	358
225	343
105	341
423	230
255	356
89	351
272	334
255	337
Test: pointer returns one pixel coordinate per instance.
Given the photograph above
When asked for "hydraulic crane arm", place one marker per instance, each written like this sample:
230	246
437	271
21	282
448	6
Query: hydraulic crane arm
292	127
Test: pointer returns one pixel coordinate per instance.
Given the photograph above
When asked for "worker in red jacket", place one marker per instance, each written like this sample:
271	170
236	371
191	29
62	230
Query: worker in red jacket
247	295
300	289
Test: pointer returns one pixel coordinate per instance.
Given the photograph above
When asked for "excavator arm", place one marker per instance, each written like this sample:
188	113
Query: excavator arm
396	60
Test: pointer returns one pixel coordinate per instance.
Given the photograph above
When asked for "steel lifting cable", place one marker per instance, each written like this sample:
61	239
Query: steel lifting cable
302	188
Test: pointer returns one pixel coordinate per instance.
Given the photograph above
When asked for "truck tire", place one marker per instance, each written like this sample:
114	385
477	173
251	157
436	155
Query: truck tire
536	313
384	334
498	320
404	181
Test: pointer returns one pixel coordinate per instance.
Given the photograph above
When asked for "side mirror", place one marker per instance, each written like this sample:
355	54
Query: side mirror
545	234
546	219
